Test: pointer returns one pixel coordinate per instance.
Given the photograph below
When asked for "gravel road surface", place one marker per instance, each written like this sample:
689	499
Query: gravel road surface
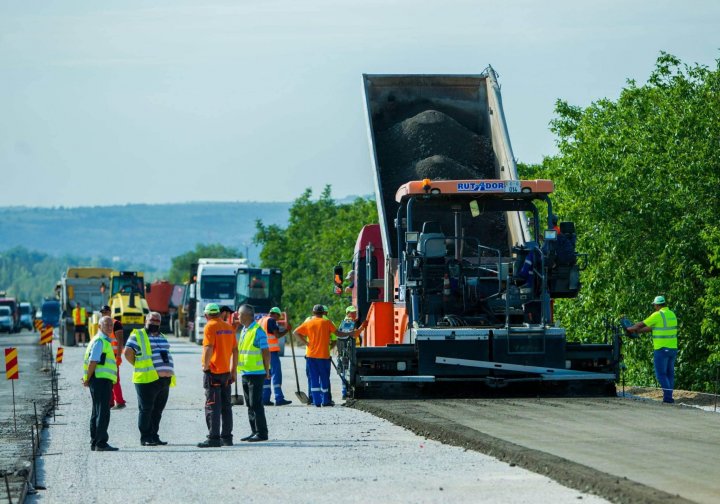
314	455
32	385
625	450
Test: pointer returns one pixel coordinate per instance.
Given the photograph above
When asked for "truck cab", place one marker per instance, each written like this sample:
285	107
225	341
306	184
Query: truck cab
27	316
216	280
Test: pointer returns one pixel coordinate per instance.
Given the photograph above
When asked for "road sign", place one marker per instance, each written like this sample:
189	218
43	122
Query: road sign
11	364
59	357
46	335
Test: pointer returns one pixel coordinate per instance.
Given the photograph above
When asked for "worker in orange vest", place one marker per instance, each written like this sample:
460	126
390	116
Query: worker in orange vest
273	331
79	315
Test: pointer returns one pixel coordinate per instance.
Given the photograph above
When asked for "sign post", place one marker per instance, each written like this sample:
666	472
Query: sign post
12	373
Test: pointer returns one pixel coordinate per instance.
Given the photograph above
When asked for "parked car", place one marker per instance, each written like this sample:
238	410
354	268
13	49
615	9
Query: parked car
27	316
6	319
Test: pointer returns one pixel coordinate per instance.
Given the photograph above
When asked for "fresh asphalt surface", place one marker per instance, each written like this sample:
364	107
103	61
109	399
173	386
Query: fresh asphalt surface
314	454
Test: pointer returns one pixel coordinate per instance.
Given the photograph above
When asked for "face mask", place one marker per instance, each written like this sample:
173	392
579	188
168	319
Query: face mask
152	328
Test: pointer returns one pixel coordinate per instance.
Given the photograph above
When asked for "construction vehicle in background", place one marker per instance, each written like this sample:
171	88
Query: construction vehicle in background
159	297
456	283
127	299
261	288
85	285
215	284
185	324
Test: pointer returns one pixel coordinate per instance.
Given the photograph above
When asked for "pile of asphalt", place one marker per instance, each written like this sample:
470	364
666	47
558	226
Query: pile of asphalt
433	145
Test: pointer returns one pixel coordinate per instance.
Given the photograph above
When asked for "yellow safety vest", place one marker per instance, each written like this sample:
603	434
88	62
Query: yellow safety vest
249	356
144	367
79	316
108	369
665	334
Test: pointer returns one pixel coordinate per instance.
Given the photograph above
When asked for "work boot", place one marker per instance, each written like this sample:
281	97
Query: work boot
227	441
268	403
247	438
210	443
106	447
282	402
119	406
257	438
158	441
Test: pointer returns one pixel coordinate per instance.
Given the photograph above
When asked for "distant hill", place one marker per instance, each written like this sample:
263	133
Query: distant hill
147	234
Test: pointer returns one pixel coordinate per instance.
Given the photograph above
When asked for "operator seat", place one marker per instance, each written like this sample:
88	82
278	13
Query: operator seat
432	241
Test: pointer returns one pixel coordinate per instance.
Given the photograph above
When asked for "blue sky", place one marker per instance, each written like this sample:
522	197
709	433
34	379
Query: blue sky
118	102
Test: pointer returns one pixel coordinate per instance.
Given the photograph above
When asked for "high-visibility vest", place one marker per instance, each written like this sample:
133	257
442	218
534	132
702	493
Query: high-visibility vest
79	316
665	335
273	342
106	370
249	355
144	367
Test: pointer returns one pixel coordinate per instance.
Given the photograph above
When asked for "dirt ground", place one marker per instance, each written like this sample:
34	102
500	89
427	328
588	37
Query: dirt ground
33	386
680	396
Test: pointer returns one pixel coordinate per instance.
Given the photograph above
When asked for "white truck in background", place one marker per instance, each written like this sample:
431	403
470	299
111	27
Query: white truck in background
216	281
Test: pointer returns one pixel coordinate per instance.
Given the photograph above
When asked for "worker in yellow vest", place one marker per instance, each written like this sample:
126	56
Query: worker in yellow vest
148	351
79	315
254	366
100	374
664	327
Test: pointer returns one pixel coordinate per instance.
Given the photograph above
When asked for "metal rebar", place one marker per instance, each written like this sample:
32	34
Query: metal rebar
35	409
32	430
7	487
14	414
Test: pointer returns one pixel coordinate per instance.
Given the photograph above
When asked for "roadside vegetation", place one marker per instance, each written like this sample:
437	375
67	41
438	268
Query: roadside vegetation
320	233
639	176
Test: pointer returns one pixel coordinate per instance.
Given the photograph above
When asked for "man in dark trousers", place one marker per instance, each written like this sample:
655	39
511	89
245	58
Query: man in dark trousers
254	364
219	363
148	351
663	325
100	374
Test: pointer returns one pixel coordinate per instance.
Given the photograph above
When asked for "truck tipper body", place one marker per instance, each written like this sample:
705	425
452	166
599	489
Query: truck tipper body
85	285
456	282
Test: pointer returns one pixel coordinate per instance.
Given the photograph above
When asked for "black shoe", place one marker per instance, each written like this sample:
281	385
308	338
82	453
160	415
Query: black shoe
92	447
283	402
257	439
227	442
268	403
148	443
247	438
157	441
329	405
118	406
106	447
210	443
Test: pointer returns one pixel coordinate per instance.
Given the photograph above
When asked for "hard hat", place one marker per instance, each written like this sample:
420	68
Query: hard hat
275	309
350	308
212	309
659	300
325	308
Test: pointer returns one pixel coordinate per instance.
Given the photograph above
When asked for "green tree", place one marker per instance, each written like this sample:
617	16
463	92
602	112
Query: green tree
639	176
180	266
319	234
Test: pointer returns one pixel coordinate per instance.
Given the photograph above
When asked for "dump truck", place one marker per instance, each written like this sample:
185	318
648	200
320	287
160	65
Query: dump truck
159	297
127	299
85	285
458	279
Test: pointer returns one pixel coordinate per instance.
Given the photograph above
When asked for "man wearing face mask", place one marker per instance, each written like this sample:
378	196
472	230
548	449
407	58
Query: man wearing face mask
149	352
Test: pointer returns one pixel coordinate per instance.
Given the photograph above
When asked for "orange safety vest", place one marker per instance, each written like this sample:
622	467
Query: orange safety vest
273	342
79	316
